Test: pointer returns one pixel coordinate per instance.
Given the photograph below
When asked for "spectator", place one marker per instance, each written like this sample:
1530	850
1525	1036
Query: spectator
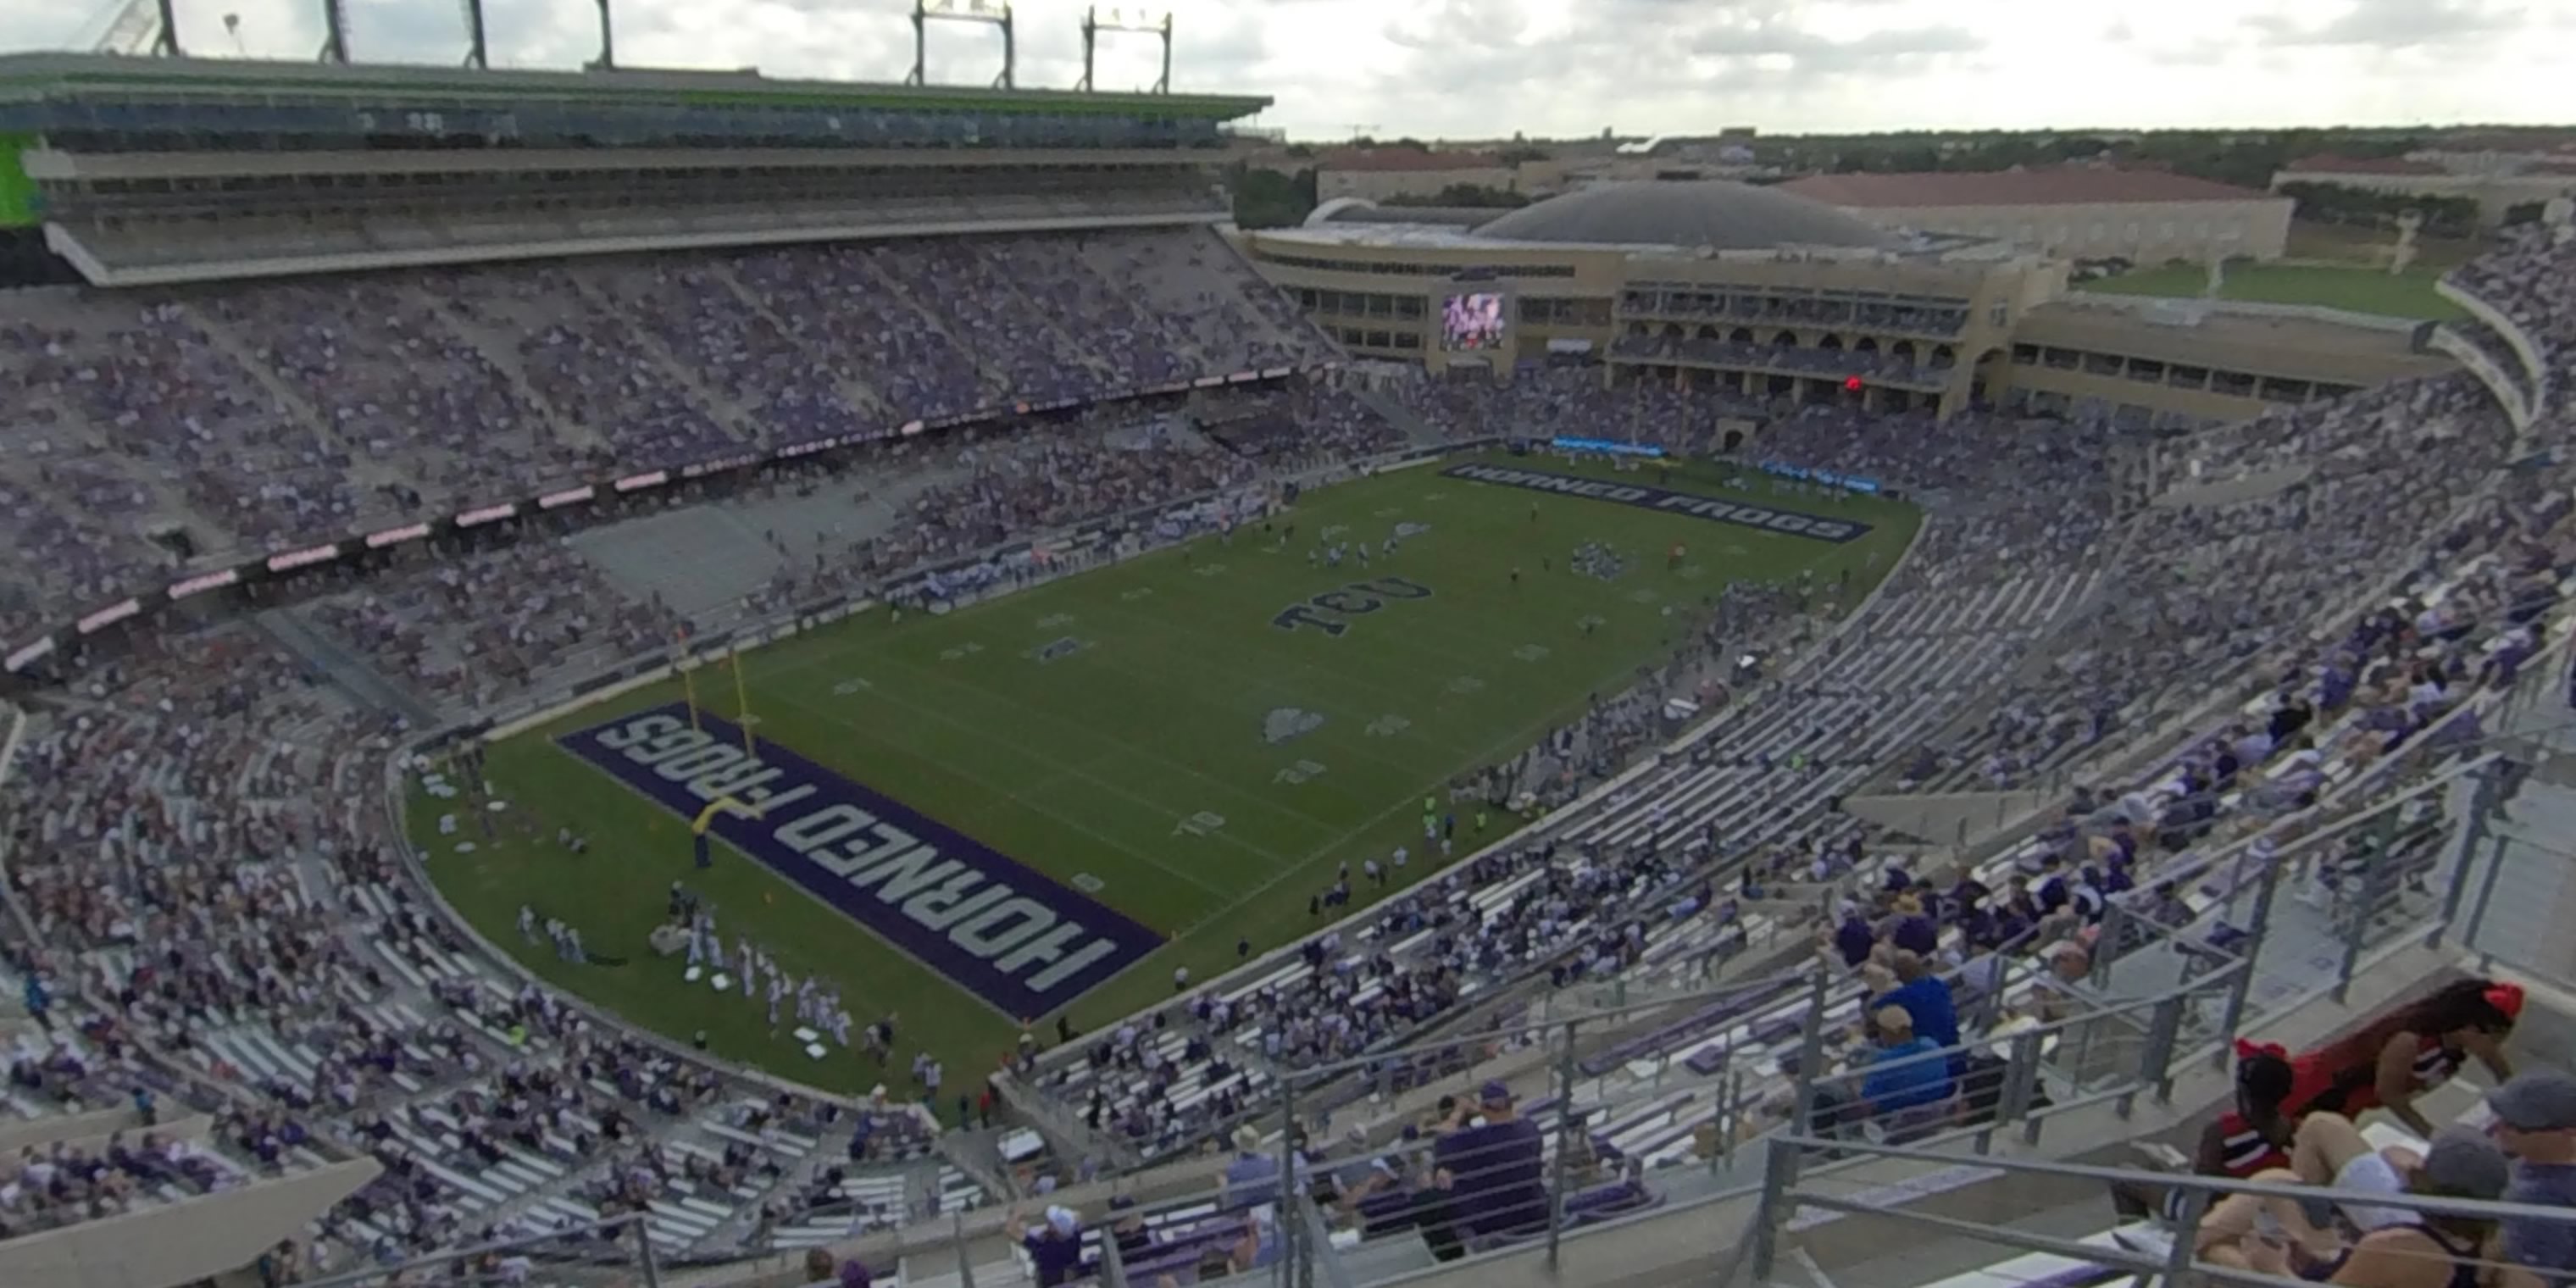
2430	1251
1251	1177
1908	1084
1054	1246
1924	996
1495	1180
2535	1124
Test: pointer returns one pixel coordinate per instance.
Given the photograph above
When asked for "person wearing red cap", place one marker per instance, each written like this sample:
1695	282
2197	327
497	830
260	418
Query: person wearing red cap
2253	1136
2407	1052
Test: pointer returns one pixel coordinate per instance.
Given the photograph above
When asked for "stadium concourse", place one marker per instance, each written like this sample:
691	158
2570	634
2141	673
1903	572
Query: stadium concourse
227	967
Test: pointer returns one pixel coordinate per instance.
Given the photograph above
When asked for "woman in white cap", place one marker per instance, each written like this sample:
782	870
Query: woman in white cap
2424	1250
1054	1248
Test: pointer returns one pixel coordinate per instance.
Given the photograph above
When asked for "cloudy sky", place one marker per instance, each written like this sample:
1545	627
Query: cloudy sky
1483	68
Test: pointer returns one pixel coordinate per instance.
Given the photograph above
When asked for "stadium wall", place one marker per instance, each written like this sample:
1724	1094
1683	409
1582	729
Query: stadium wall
2534	367
216	267
196	1239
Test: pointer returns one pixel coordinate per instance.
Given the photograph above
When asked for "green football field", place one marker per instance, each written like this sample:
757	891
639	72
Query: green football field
1144	759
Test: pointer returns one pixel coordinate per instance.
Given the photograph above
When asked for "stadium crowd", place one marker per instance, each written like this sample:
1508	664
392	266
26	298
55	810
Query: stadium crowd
198	830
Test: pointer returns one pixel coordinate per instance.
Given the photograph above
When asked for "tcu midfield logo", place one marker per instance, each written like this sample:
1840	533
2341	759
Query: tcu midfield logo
1326	612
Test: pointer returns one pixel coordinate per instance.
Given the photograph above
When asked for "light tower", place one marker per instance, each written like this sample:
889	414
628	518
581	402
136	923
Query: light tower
476	54
137	27
1139	21
924	12
335	33
607	60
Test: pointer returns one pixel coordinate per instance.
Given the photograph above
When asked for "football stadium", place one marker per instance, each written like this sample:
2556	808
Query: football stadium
628	677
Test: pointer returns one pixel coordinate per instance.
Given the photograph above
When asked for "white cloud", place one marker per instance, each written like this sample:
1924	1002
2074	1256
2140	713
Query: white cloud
1486	68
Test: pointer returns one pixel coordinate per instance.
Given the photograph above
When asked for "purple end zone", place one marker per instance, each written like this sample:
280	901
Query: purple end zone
995	928
1765	518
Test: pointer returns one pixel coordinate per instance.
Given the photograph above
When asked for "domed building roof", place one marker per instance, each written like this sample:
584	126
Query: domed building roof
1709	213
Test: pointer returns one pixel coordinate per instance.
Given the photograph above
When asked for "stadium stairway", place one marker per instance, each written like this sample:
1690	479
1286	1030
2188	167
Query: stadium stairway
934	320
977	1152
1416	430
2253	486
857	394
703	560
735	419
503	357
362	468
345	669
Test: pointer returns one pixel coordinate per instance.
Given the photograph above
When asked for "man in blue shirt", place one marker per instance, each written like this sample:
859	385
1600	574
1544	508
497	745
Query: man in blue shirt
2535	1123
1924	996
1903	1091
1253	1176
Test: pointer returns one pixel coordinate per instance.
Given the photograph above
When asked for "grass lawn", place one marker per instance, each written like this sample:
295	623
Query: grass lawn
2367	246
2361	290
1089	766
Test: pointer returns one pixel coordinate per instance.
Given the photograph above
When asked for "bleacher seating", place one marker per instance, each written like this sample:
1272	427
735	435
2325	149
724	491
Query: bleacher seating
199	836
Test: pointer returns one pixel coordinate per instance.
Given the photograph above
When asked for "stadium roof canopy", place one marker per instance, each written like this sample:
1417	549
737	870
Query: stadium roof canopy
1714	214
35	76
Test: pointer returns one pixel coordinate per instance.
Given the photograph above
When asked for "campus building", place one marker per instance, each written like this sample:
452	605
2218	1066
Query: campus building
1779	300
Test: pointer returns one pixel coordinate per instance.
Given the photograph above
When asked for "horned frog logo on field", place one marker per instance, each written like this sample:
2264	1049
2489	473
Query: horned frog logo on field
1284	724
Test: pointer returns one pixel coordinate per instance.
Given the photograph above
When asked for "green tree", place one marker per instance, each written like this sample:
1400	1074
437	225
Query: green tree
1269	199
1465	194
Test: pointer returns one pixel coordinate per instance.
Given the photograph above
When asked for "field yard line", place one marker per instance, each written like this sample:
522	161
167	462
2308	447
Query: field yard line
1523	735
1289	811
1424	639
1395	693
1445	749
1061	773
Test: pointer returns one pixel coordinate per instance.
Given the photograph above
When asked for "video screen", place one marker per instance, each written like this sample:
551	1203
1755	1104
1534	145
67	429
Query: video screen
1472	321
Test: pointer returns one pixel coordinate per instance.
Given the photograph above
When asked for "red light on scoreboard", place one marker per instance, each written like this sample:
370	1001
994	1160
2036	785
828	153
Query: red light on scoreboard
1851	384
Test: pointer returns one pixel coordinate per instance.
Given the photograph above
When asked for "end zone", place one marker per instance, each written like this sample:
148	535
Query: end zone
1018	940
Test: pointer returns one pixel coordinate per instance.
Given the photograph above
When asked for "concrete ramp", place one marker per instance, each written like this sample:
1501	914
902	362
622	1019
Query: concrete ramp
1946	818
1416	430
703	559
695	559
2233	491
351	672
